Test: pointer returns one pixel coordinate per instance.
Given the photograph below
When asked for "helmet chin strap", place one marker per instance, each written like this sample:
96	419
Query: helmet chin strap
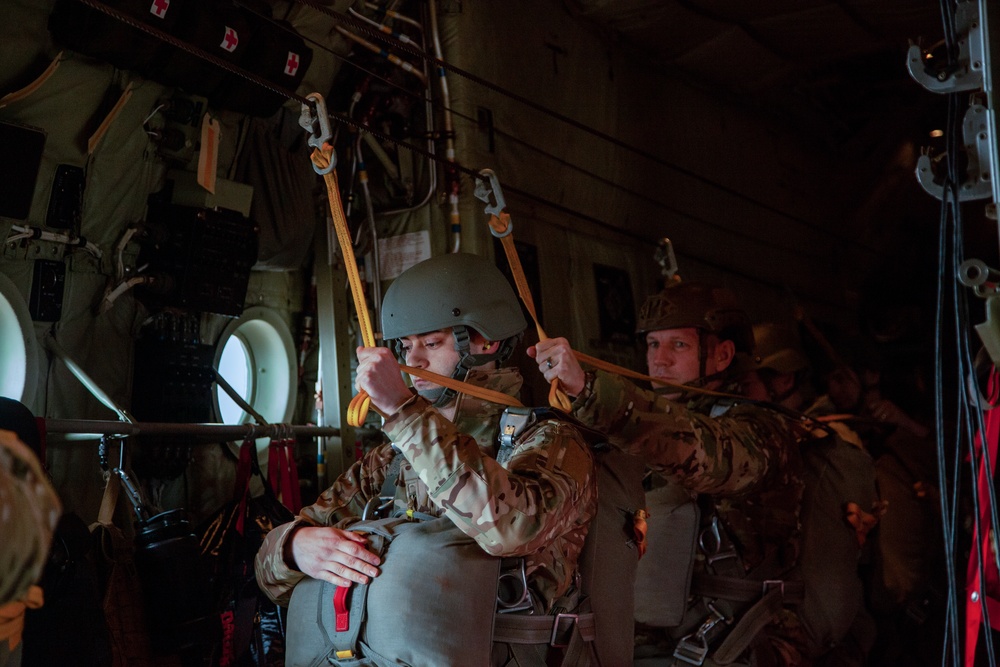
442	396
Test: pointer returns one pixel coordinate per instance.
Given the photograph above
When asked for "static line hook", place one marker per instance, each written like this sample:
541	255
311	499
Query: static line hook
488	190
315	120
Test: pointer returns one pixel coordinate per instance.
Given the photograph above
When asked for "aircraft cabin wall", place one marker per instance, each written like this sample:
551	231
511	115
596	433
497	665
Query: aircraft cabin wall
587	211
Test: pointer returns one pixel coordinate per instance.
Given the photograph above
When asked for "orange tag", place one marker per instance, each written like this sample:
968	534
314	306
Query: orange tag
208	156
862	521
95	138
19	95
640	528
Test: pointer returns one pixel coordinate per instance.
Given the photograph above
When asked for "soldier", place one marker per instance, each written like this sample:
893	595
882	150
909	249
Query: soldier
457	316
782	365
740	460
29	509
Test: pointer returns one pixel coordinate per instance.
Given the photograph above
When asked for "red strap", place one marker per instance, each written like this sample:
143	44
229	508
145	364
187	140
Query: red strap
295	492
274	468
340	608
286	476
283	474
981	547
241	489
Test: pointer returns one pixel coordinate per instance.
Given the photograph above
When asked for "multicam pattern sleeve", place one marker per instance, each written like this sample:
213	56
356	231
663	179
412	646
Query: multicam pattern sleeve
338	506
546	492
723	455
29	510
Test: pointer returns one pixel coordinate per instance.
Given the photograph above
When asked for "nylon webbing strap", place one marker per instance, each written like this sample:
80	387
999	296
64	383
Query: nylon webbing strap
557	396
518	629
109	501
501	225
744	590
625	372
358	408
751	622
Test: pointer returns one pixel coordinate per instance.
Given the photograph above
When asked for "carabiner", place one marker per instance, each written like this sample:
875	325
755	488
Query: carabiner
316	121
665	258
488	190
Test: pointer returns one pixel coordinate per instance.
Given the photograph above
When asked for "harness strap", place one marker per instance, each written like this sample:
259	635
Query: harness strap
574	632
745	590
751	622
348	606
531	629
392	475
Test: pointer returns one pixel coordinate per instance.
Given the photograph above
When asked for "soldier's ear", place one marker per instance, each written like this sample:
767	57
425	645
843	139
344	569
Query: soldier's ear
479	344
724	352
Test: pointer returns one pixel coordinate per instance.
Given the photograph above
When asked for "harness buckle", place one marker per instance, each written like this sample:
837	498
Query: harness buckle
513	421
693	648
711	542
513	593
377	507
553	641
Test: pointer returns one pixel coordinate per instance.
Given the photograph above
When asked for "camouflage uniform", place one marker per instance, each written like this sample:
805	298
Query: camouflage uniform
29	510
743	460
538	505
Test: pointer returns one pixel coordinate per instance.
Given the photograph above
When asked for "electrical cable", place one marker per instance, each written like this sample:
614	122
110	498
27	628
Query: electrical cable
28	232
163	36
381	36
533	146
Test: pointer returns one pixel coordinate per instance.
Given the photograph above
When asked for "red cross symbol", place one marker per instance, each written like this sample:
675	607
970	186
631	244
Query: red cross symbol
292	66
230	41
159	8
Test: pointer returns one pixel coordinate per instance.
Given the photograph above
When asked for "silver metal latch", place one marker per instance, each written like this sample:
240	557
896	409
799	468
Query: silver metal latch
693	648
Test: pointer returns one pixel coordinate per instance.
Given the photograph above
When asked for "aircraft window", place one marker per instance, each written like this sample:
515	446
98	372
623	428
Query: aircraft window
234	366
18	349
256	356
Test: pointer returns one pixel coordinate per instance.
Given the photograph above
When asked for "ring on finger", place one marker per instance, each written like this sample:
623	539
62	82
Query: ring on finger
548	363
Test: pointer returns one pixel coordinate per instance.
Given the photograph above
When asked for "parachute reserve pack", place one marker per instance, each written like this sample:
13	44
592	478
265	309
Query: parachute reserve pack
437	587
824	587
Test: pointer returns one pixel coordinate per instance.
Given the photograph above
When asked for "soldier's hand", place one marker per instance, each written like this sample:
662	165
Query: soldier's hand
556	360
334	555
379	376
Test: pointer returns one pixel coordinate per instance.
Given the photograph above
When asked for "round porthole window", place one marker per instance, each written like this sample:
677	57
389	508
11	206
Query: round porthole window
18	347
256	356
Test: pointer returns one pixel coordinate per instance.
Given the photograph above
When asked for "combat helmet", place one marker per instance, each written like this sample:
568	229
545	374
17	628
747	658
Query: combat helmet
778	348
457	291
705	307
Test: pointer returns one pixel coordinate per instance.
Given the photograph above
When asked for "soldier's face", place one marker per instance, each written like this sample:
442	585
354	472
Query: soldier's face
672	355
434	351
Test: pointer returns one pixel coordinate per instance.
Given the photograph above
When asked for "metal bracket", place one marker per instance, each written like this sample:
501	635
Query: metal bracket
967	73
985	283
979	173
133	494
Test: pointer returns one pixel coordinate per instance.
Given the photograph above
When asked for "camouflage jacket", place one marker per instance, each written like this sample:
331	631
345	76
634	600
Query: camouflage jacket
29	511
538	505
742	458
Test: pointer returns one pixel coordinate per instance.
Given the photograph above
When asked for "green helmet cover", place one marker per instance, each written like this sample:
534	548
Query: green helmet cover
778	348
448	291
695	305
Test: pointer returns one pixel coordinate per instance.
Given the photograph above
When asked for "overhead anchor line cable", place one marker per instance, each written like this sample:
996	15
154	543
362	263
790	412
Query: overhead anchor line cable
361	26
